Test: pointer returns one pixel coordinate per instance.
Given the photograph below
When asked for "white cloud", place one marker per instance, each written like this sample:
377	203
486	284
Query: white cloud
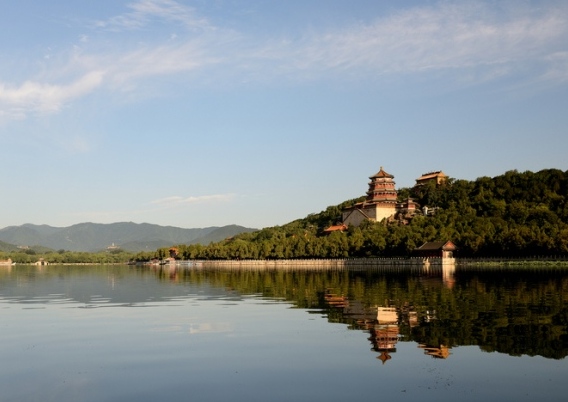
143	12
177	200
160	60
18	101
448	36
142	213
557	67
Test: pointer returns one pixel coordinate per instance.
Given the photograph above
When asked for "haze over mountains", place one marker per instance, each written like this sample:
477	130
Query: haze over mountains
129	236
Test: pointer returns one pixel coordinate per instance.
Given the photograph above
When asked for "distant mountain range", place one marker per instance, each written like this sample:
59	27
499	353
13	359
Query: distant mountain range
128	236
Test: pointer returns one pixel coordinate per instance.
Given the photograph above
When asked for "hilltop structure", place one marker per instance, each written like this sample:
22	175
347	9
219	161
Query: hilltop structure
438	177
380	203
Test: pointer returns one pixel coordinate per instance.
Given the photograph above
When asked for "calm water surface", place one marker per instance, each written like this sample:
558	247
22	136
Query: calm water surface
141	334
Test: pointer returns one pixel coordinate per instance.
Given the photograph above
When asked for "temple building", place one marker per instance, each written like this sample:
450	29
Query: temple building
437	177
380	203
406	210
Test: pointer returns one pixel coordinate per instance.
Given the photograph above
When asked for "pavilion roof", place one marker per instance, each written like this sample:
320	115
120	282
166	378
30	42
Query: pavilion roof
436	246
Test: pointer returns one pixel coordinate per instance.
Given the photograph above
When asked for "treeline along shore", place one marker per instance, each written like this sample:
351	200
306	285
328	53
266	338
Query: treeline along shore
355	263
343	263
327	263
517	215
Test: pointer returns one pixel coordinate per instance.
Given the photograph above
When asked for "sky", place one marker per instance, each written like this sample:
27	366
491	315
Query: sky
256	113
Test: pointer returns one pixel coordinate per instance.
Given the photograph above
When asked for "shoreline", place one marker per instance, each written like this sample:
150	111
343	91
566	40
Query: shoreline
343	263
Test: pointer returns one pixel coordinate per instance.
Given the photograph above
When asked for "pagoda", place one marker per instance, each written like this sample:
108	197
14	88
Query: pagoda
381	188
379	204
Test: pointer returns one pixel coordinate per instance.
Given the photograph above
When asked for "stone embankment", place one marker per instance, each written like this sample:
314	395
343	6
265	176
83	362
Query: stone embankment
330	263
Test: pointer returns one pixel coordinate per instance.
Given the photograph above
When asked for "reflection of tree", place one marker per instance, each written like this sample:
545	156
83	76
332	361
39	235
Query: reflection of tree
516	312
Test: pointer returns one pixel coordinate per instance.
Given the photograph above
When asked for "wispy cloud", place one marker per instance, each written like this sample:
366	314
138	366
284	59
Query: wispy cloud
141	213
557	67
160	60
178	201
460	41
447	36
145	11
33	96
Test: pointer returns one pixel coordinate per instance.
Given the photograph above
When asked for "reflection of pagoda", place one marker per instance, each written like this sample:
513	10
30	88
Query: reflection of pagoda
385	332
386	326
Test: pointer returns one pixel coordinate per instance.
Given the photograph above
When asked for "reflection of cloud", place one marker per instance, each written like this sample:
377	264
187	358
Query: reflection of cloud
203	328
176	200
212	327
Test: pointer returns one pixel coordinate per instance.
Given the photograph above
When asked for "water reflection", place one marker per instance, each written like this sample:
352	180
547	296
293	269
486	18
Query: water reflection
516	312
523	312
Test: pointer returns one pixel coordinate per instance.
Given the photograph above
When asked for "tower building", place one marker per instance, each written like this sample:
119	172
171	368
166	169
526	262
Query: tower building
379	204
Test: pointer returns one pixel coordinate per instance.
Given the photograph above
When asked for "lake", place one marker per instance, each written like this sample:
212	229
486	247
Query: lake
122	333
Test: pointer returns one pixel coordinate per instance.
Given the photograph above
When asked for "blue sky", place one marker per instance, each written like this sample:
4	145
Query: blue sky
215	112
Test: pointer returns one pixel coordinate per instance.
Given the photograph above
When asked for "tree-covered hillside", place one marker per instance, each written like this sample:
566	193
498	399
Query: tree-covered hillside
515	214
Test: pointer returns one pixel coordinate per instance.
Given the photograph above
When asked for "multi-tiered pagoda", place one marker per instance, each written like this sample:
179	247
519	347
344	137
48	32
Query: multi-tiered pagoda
379	204
381	188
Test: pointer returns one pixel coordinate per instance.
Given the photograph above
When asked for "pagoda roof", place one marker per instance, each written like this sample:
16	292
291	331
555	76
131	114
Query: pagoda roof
382	174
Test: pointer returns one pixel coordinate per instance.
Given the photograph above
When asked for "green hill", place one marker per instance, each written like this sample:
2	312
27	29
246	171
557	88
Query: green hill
514	214
6	247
